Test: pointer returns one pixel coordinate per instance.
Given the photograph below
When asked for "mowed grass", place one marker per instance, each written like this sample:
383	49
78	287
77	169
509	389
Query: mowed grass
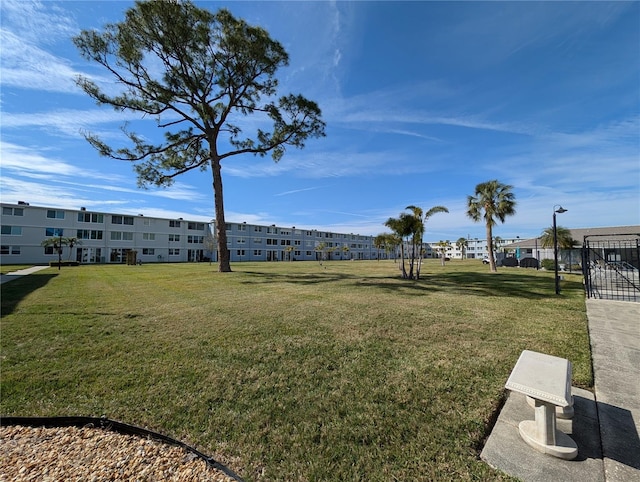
290	371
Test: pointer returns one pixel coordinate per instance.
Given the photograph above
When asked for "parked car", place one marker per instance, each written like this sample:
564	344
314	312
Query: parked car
485	260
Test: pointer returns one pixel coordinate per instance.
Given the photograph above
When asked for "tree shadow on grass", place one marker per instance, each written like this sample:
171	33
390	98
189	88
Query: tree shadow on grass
499	284
502	284
15	290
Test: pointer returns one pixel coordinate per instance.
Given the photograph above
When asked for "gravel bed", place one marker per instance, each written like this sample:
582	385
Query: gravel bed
94	454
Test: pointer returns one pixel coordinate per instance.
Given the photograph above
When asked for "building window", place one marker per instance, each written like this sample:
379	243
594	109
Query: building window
174	237
149	236
240	252
174	252
88	234
11	230
148	251
257	252
257	240
84	217
53	232
196	226
13	211
241	241
174	224
55	214
257	229
195	239
122	220
121	236
10	250
242	227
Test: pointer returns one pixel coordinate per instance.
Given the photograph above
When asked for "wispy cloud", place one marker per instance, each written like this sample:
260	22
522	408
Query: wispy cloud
25	27
295	191
72	122
29	162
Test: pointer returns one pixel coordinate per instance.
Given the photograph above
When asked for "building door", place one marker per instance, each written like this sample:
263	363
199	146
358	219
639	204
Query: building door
194	255
89	255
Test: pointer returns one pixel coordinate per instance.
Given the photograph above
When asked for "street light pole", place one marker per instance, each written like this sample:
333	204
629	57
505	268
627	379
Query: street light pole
560	210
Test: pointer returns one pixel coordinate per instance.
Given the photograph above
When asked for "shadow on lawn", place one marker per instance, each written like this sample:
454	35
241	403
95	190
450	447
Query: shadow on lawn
469	283
14	291
502	283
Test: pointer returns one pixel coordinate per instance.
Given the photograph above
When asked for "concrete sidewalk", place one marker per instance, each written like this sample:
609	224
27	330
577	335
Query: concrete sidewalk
605	426
614	329
21	272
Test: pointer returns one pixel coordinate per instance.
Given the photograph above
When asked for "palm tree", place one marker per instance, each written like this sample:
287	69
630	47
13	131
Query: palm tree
443	246
289	250
59	241
403	226
565	241
462	244
321	249
420	228
380	243
493	201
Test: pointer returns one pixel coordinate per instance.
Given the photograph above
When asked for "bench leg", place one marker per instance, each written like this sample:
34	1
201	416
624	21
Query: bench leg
543	435
561	412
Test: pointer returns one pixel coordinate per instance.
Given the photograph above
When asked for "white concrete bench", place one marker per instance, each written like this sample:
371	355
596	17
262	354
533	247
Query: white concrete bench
547	380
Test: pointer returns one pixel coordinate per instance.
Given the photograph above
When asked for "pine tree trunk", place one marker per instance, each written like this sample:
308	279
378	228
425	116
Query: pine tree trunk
221	226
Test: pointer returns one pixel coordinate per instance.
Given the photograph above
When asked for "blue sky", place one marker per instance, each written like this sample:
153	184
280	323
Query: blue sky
422	100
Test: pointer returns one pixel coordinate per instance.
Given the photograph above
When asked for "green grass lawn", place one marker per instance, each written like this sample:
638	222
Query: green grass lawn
290	371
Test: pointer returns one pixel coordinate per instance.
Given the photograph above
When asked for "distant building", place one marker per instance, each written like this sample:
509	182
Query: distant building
476	248
255	242
532	248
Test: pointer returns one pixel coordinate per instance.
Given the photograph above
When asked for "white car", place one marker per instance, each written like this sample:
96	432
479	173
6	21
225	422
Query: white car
485	260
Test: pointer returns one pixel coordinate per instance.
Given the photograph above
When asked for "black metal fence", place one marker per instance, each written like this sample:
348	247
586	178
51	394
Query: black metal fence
611	267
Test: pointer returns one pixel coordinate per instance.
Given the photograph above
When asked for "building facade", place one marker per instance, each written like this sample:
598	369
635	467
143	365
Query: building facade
108	238
476	248
254	242
101	237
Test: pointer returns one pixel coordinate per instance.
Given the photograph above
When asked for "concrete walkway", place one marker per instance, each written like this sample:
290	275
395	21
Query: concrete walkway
21	272
605	426
614	329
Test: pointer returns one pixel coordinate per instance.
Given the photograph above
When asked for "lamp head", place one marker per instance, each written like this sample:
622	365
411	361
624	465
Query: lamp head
561	210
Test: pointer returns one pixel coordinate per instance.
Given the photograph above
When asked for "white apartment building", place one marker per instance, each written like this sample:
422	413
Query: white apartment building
108	237
254	242
476	248
102	237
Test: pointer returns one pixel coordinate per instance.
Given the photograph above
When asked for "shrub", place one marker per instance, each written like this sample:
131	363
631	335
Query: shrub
548	264
64	263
